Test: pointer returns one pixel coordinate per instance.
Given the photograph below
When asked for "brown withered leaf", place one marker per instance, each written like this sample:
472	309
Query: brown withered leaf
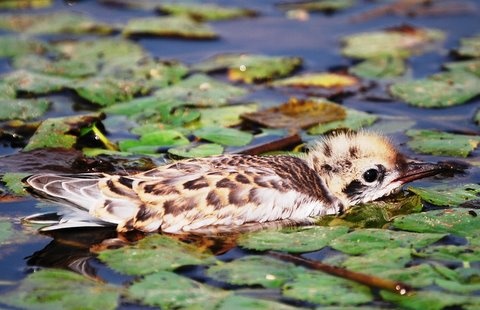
297	113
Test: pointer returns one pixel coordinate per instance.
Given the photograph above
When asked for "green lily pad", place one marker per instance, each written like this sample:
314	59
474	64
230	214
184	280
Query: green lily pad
153	254
453	221
450	253
291	240
448	195
327	290
151	142
438	91
142	105
63	67
395	42
250	68
317	5
35	83
471	66
201	91
431	300
13	46
224	136
60	289
441	143
380	67
201	150
364	240
320	80
254	270
6	231
25	4
106	91
22	109
469	47
7	91
58	22
13	181
165	116
61	132
171	291
170	26
243	302
204	11
354	120
222	116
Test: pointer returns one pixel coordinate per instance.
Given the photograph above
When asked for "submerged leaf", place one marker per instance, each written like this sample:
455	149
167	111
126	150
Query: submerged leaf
448	195
194	151
22	109
224	136
354	120
441	143
6	231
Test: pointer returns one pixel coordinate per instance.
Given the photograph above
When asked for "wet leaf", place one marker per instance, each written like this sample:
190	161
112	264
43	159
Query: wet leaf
251	68
165	117
450	253
60	289
305	239
244	302
471	66
194	151
325	289
142	105
58	22
61	132
63	67
380	67
171	291
13	181
298	114
222	116
177	26
35	83
448	194
151	142
438	91
224	136
106	91
441	143
395	42
6	230
431	300
323	80
204	11
453	221
154	253
364	240
469	47
22	109
13	46
24	4
317	5
354	120
201	91
7	91
254	270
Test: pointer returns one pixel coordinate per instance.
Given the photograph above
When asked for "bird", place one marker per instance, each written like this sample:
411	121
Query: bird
231	190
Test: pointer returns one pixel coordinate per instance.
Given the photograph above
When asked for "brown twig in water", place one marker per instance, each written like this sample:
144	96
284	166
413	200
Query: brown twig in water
372	281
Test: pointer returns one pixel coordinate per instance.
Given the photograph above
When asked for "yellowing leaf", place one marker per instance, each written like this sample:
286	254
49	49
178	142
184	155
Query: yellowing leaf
326	80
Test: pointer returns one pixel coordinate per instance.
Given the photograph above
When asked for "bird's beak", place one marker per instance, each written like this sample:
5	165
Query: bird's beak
420	170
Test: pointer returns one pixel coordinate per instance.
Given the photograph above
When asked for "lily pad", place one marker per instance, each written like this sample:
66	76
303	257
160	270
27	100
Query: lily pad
13	46
170	26
448	195
194	151
152	254
471	66
106	91
58	22
365	240
454	221
24	4
298	114
222	116
321	80
438	91
62	67
151	142
450	253
244	302
22	109
60	289
380	67
441	143
35	83
7	91
224	136
291	240
13	181
142	105
354	120
431	300
470	47
204	11
326	290
395	42
254	270
317	5
201	91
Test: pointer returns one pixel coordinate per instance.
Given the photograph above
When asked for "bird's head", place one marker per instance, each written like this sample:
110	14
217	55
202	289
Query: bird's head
361	167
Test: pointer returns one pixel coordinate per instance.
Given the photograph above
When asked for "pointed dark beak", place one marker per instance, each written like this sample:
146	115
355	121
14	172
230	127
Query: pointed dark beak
420	170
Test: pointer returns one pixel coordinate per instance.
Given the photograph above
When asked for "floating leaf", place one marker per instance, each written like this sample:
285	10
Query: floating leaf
243	302
22	109
35	83
13	46
448	195
471	66
201	150
364	240
222	116
298	114
142	105
391	259
254	270
459	222
24	4
63	67
60	132
450	253
324	80
60	289
438	91
14	183
204	11
152	254
106	91
177	26
394	42
442	143
317	5
151	142
354	120
224	136
7	91
469	47
325	289
431	300
306	239
380	67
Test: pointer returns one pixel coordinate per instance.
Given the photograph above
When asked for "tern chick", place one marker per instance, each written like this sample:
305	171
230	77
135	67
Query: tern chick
232	190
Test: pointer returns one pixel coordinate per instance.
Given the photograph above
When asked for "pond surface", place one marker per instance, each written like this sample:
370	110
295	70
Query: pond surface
314	37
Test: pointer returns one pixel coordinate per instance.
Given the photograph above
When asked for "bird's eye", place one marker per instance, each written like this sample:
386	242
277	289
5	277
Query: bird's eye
371	175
